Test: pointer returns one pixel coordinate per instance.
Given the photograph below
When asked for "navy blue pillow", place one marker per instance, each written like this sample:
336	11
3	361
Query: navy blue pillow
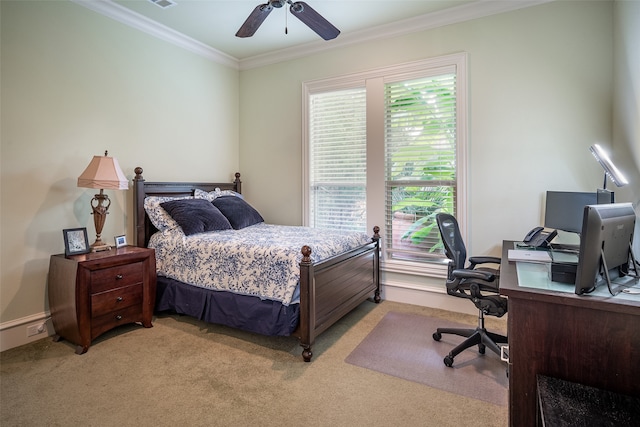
239	213
196	215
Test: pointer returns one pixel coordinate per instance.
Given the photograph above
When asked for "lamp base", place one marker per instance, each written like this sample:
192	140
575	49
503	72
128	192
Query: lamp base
99	247
100	211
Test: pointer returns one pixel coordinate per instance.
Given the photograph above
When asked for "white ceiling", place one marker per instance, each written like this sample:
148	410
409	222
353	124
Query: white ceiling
209	26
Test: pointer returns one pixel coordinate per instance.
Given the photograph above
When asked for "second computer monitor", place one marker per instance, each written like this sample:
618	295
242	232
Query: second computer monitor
565	209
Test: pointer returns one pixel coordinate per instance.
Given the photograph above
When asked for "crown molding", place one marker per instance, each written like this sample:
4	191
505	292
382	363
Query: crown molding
466	12
135	20
454	15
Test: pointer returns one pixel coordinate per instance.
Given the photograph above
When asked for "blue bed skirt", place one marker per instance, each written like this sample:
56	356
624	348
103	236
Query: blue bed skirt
244	312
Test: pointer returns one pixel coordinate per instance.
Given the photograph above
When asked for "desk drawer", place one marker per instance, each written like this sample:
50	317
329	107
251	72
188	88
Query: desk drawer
116	277
116	299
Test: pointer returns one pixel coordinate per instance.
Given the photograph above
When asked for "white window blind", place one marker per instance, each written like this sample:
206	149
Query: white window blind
337	160
387	147
420	164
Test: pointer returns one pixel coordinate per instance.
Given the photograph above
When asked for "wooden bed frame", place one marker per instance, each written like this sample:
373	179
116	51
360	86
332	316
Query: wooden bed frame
328	289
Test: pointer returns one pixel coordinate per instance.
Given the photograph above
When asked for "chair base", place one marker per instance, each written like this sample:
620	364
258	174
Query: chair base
478	336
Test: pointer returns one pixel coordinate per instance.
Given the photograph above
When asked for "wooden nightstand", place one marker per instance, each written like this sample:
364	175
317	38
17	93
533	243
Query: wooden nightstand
92	293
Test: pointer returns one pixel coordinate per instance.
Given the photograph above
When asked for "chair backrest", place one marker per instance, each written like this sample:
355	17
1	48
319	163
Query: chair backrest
452	239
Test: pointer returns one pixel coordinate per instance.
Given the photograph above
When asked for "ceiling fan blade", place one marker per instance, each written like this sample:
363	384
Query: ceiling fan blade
314	20
254	20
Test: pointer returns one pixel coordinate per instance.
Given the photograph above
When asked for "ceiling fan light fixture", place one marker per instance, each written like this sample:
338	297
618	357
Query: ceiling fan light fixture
164	4
296	7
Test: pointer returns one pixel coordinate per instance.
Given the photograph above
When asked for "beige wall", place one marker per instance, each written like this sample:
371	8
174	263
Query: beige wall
626	105
540	90
75	84
545	83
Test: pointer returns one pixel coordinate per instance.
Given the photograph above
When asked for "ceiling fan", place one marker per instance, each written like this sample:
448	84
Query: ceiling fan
299	9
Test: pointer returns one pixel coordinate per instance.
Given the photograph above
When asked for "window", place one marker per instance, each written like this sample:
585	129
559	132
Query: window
337	160
387	147
420	163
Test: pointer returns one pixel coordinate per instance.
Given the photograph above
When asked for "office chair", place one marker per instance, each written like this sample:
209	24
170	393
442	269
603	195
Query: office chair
478	284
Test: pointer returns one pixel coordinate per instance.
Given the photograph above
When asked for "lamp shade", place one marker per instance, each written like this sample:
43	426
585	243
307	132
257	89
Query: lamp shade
103	172
610	169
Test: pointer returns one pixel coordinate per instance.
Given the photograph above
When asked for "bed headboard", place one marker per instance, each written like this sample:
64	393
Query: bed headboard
143	228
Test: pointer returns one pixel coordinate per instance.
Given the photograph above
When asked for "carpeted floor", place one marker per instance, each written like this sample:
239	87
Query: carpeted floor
402	345
185	372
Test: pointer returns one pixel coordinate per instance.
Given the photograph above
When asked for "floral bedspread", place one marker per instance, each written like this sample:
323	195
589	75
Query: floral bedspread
261	260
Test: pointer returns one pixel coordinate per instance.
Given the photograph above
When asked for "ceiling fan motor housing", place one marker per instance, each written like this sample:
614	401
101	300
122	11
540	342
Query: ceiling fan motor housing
277	3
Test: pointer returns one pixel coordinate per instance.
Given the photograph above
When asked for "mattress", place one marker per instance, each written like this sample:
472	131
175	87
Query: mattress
260	261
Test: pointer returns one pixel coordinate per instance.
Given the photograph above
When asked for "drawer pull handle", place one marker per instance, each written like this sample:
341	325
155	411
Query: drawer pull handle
119	277
119	299
118	317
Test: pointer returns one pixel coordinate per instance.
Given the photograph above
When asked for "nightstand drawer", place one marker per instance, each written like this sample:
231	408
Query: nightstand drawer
116	299
116	277
101	324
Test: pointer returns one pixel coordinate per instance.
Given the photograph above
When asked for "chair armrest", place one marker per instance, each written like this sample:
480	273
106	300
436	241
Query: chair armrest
477	289
484	260
474	274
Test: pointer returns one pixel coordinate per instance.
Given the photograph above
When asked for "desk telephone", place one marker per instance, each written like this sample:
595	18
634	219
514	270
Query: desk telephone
539	238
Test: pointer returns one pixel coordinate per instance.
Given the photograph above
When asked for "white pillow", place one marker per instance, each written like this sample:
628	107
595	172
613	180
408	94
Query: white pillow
212	195
158	216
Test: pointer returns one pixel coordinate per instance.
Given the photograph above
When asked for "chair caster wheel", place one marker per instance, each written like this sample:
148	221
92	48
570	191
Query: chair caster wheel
437	336
481	349
448	361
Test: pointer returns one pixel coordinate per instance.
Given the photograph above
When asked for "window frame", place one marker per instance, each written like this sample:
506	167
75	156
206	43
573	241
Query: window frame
374	80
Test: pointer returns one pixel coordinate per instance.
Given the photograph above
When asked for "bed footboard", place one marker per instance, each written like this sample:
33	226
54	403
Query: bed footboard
332	288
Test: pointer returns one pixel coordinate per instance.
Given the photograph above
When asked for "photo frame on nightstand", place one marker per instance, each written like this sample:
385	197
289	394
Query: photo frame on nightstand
76	241
121	241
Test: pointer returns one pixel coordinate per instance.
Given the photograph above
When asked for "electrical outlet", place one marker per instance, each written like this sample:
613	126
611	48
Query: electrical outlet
36	329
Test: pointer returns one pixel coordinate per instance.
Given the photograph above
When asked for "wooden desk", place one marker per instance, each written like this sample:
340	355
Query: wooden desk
589	340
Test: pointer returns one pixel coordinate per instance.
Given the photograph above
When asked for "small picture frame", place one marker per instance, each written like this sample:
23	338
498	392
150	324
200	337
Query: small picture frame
76	241
121	241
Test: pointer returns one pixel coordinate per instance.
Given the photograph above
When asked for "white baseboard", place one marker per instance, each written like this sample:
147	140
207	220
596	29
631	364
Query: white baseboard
426	297
14	333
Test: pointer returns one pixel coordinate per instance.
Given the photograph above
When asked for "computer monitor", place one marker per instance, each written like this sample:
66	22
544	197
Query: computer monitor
605	245
564	209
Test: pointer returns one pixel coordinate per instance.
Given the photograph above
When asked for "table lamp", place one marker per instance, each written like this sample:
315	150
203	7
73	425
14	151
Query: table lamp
104	173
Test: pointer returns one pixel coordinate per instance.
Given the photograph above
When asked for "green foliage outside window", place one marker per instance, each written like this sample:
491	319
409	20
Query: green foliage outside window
421	155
